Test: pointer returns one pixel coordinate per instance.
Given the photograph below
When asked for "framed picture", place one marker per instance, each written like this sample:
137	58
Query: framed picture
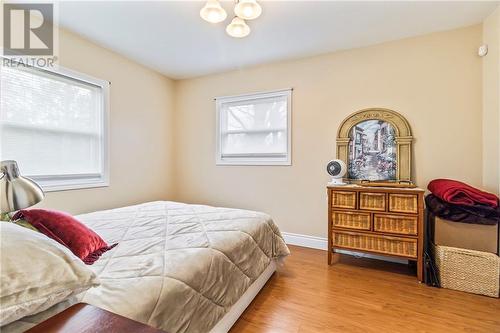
372	151
376	146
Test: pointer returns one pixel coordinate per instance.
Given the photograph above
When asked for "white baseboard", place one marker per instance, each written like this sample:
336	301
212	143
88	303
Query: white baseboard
321	243
313	242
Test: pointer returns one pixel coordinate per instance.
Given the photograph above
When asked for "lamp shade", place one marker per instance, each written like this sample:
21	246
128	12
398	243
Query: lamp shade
238	28
17	192
248	9
213	12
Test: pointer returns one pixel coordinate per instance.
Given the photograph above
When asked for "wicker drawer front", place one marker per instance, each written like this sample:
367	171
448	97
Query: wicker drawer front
344	199
406	247
372	201
403	203
396	224
360	221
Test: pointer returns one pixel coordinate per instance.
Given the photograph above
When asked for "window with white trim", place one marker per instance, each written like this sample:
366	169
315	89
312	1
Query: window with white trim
254	129
54	124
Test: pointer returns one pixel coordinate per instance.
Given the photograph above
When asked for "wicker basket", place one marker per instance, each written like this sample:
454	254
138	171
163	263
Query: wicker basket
467	270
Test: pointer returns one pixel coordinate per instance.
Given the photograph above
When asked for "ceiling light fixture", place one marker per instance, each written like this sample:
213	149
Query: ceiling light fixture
238	28
248	9
213	12
244	10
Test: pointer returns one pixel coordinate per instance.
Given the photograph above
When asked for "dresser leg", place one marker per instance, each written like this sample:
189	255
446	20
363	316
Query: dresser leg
412	264
420	266
333	257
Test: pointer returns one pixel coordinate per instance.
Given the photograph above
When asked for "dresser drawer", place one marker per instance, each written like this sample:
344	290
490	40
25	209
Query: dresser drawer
372	201
344	199
351	220
405	247
396	224
403	203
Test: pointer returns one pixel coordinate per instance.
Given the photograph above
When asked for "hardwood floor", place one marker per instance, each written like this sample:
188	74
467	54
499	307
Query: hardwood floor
360	295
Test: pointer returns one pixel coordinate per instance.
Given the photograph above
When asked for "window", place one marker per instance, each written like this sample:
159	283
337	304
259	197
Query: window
254	129
54	124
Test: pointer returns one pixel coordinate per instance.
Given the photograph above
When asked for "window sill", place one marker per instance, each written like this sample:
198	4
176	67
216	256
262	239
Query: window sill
69	187
254	162
55	185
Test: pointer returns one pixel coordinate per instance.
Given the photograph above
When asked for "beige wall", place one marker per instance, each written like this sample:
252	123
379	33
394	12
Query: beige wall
141	126
433	80
491	103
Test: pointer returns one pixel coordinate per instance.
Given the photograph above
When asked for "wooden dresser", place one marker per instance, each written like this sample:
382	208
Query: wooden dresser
387	221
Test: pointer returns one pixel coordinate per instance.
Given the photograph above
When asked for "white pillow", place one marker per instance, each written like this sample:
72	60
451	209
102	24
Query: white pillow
36	272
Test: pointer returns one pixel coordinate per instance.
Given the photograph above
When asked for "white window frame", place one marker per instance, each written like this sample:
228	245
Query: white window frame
253	159
53	183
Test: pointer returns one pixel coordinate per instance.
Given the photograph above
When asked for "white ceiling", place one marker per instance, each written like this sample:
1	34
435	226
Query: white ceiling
170	36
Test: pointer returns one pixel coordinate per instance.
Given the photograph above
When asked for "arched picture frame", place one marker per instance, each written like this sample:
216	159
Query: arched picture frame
376	144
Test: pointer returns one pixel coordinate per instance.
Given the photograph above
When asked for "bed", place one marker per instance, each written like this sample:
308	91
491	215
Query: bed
178	267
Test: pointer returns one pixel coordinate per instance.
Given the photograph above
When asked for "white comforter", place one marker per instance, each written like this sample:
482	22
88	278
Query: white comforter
179	267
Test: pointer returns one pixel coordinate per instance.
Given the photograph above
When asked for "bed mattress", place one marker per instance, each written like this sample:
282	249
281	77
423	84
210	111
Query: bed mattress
180	267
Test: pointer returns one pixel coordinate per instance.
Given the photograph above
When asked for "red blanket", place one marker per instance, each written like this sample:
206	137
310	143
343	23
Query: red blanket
459	193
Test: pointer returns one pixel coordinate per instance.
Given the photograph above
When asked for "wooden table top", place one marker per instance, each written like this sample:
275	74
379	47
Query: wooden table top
85	318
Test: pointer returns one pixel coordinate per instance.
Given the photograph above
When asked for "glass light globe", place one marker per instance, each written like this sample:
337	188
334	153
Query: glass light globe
238	28
248	9
213	12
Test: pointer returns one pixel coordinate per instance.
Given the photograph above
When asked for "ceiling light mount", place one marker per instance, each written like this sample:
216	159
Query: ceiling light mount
244	10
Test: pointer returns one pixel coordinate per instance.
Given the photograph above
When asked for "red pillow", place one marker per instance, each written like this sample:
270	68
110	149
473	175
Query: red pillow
64	228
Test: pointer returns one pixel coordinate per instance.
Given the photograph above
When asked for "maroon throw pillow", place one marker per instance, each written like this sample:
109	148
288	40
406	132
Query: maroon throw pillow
64	228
